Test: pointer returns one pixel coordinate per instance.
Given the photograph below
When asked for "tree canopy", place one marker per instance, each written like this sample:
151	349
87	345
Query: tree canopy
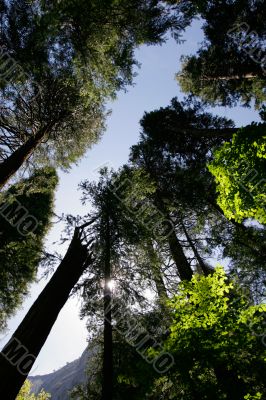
229	67
163	321
25	212
239	171
25	393
216	340
64	59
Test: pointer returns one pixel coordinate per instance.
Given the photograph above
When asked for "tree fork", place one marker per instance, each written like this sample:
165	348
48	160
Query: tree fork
205	269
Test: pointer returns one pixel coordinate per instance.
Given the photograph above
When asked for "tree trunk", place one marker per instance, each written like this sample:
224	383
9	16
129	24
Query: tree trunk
229	78
157	273
178	255
19	354
205	269
223	78
184	269
11	165
107	385
160	287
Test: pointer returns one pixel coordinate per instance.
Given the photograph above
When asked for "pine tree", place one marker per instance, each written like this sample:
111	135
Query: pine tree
64	59
230	65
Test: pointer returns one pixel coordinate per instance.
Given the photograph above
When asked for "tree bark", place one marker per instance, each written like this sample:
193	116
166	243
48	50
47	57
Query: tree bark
184	269
107	385
160	287
205	269
229	78
157	273
223	78
178	255
11	165
18	356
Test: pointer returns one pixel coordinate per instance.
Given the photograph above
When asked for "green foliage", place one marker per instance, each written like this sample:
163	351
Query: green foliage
216	335
107	200
244	248
70	56
239	169
201	292
229	67
202	77
216	340
20	254
25	393
257	396
189	133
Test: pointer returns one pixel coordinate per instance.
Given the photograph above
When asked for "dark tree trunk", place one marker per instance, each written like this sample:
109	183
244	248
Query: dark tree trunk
11	165
18	356
184	269
178	255
205	269
107	385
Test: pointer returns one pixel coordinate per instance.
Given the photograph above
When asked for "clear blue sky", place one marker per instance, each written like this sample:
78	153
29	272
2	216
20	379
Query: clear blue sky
154	87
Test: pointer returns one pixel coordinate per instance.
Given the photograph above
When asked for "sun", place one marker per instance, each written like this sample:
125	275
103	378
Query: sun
111	284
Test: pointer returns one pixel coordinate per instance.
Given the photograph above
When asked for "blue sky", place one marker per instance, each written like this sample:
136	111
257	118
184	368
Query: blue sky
154	87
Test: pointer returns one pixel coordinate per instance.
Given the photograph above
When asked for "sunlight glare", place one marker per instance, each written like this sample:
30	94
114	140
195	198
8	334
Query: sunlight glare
111	284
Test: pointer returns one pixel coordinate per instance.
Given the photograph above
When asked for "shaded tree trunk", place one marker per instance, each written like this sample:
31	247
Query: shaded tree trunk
205	269
178	255
18	356
184	269
11	165
107	385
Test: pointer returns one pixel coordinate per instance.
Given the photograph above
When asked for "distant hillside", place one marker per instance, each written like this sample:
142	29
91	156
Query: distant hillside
60	382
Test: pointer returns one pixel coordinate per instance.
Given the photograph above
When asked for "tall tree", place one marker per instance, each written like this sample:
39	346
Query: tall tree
125	261
107	234
230	65
173	140
25	215
19	354
170	161
66	59
107	390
